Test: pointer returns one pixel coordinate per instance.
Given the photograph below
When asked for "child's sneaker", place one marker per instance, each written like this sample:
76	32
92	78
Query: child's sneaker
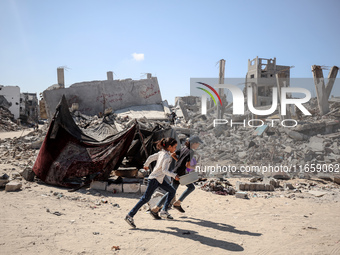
179	208
155	215
166	215
130	221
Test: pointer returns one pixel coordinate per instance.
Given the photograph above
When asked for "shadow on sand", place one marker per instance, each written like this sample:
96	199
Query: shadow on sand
193	235
217	226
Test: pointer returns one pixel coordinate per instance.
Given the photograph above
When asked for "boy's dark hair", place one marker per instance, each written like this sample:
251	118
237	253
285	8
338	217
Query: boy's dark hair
164	143
187	144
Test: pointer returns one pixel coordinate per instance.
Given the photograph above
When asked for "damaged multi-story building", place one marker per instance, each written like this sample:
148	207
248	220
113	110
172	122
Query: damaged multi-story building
29	107
23	106
261	76
10	99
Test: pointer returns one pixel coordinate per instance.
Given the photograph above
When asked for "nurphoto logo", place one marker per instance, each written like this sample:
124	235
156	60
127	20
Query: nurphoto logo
239	103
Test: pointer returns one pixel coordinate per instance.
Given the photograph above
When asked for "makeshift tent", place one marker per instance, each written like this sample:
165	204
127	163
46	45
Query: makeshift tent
144	143
68	154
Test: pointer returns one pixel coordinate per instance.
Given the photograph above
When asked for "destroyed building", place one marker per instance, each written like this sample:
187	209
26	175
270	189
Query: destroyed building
136	98
262	75
29	107
21	105
10	99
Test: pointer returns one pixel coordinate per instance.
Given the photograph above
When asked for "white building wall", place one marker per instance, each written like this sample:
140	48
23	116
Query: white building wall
12	95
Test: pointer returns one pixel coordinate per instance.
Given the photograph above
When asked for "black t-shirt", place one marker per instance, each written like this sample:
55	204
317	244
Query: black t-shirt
184	156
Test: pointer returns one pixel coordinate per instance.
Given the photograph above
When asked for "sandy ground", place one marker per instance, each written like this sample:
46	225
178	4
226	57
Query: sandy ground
15	134
42	219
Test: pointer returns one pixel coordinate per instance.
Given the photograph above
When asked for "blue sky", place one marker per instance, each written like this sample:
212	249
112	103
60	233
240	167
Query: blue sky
179	39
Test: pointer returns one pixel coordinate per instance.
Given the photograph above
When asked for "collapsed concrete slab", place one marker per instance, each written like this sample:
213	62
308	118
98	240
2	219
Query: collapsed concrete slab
95	96
150	112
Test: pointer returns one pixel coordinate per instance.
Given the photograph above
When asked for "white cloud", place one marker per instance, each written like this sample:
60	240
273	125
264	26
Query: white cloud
138	56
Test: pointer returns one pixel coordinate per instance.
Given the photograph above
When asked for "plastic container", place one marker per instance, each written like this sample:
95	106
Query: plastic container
188	178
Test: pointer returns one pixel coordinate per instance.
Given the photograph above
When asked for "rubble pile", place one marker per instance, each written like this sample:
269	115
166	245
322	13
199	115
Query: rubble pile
6	121
313	189
217	186
314	140
22	151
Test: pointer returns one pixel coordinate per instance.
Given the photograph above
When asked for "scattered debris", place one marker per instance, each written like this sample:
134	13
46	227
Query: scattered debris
116	248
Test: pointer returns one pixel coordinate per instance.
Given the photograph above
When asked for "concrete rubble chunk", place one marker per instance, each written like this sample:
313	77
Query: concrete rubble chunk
288	186
336	179
219	130
131	187
271	181
254	186
316	144
243	195
13	186
296	135
288	149
317	193
28	174
98	185
281	176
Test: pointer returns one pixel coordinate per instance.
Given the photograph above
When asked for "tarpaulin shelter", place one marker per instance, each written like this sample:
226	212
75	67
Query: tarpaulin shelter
67	153
144	143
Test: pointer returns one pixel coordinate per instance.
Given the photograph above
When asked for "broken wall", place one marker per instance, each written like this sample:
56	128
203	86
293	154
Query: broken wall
95	96
12	95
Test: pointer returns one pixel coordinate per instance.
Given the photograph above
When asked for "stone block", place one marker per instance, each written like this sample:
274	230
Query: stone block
269	187
288	186
243	195
115	188
246	186
98	185
13	186
131	187
252	186
260	187
28	174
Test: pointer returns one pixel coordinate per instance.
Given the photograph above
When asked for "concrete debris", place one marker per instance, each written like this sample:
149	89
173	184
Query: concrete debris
254	186
19	151
28	174
243	195
288	186
271	181
315	140
218	186
7	122
13	186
